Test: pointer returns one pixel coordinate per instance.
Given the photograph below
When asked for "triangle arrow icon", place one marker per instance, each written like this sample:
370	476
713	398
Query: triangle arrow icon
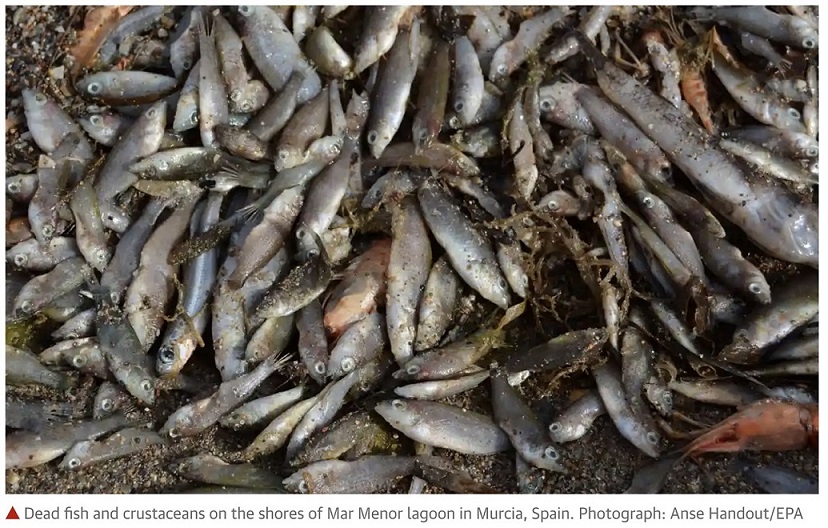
12	514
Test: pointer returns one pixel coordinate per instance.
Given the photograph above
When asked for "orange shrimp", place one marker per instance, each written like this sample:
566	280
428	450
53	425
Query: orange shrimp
693	87
813	438
362	290
765	425
694	91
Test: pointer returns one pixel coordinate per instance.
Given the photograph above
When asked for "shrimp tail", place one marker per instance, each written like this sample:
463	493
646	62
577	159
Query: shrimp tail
694	91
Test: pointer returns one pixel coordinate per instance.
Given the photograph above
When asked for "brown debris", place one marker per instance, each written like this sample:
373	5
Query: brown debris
12	121
99	23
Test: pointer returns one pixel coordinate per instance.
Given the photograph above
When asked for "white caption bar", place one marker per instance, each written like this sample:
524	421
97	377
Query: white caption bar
404	511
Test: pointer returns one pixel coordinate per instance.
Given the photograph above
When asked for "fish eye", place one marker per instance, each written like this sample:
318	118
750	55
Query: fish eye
501	69
546	104
146	385
101	255
668	398
551	453
283	155
556	427
372	137
398	404
13	187
794	113
94	88
459	106
74	463
313	253
411	370
303	486
755	288
194	117
246	10
808	43
235	95
501	282
186	64
26	306
534	485
454	122
40	98
136	440
812	152
648	202
422	135
166	356
79	360
20	260
301	232
152	112
96	120
174	433
107	405
320	368
48	230
348	364
652	438
553	205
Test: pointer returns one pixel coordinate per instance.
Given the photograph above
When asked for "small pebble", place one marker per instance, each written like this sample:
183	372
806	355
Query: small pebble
57	73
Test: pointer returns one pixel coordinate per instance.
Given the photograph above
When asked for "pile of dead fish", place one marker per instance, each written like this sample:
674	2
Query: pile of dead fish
388	208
